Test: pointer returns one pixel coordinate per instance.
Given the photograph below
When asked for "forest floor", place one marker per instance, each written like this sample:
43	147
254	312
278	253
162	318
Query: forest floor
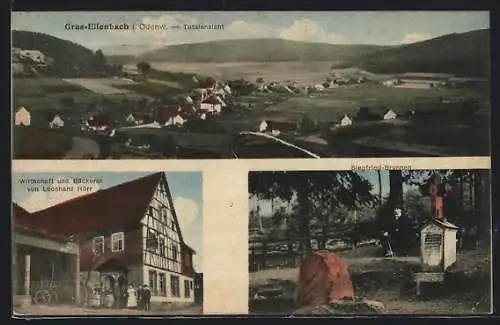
466	290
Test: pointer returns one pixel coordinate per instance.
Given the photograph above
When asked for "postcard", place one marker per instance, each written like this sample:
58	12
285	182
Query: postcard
370	242
251	163
124	243
195	85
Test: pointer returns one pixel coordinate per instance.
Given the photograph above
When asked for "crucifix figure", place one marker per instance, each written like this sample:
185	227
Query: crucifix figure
438	191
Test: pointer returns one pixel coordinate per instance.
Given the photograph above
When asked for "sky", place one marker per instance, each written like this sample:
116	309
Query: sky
341	27
186	189
370	175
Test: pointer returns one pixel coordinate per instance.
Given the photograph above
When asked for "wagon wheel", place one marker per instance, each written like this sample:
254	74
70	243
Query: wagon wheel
42	297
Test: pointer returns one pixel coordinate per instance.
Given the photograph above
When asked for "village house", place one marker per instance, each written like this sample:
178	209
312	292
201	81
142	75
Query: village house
128	234
170	116
132	73
202	114
23	117
41	260
55	121
33	55
275	128
319	87
97	122
389	115
138	118
423	80
346	120
211	104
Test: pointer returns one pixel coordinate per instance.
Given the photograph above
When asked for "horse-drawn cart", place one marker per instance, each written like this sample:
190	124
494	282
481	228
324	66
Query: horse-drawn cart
45	292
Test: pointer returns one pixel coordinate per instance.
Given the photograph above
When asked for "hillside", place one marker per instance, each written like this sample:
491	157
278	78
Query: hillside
257	50
70	59
465	54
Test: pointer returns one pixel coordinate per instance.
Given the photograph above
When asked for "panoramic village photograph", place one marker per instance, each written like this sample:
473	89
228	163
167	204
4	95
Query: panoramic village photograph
194	85
414	242
113	243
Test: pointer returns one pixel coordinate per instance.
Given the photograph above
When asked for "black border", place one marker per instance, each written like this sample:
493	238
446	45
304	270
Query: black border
247	5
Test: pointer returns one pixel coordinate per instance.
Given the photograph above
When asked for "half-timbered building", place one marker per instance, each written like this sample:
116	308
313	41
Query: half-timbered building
128	234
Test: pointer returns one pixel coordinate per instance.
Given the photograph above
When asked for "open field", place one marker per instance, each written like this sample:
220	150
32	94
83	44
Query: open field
41	94
41	87
332	104
103	86
302	72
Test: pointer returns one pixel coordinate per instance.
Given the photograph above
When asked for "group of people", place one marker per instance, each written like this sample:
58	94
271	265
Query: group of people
140	298
123	297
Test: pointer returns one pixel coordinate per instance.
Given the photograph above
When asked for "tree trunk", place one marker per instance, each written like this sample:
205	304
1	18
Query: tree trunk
304	212
259	217
379	187
396	187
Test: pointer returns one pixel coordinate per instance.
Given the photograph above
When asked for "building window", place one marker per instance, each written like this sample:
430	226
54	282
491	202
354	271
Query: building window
151	241
191	284
162	288
153	280
98	245
187	289
175	286
161	245
117	242
172	224
174	252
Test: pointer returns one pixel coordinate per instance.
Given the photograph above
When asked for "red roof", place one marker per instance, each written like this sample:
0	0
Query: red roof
19	215
99	120
163	114
140	116
116	206
21	219
211	100
281	125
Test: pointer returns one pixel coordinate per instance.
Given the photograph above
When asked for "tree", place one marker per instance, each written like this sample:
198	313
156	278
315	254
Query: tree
306	125
143	67
306	188
379	175
259	80
99	62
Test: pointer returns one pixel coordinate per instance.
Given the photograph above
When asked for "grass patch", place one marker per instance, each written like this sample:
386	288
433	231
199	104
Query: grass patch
150	89
334	103
184	80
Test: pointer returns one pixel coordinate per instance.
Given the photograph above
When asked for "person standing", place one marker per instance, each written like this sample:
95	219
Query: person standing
117	295
132	298
140	301
146	296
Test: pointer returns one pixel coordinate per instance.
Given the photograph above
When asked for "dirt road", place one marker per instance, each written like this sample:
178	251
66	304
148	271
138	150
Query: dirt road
68	310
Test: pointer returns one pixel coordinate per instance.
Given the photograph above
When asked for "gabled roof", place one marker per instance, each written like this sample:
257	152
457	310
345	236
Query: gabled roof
282	125
442	224
21	220
116	206
211	100
51	115
163	114
99	120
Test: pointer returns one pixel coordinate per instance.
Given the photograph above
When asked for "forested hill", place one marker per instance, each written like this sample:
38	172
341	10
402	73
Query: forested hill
70	59
257	50
465	54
